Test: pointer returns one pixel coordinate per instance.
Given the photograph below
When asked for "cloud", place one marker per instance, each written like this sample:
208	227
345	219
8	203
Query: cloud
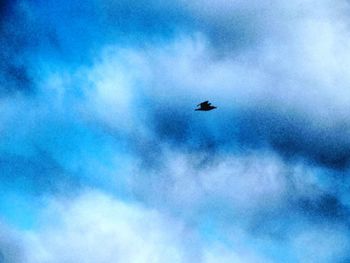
255	112
243	187
112	87
97	228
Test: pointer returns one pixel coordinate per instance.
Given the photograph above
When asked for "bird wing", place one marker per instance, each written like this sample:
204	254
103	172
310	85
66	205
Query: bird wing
205	103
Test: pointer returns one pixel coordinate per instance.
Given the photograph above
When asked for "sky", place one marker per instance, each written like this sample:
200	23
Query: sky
103	158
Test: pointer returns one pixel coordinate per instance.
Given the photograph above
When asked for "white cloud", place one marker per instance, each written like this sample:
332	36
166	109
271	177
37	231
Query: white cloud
303	71
298	66
247	183
97	228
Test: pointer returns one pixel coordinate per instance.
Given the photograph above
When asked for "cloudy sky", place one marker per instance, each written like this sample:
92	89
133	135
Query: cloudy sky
104	160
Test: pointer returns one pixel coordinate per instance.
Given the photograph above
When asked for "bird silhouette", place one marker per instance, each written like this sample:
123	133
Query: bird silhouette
205	106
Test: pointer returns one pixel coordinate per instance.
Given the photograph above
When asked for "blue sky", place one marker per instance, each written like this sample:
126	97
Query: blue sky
103	158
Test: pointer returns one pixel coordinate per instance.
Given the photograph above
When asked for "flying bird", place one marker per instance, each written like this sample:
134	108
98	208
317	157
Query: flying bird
205	106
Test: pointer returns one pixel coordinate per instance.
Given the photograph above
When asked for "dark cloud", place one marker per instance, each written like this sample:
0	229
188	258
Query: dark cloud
296	214
293	136
323	208
297	137
27	29
14	40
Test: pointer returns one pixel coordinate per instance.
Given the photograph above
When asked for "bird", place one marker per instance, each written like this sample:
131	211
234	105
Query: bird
205	106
